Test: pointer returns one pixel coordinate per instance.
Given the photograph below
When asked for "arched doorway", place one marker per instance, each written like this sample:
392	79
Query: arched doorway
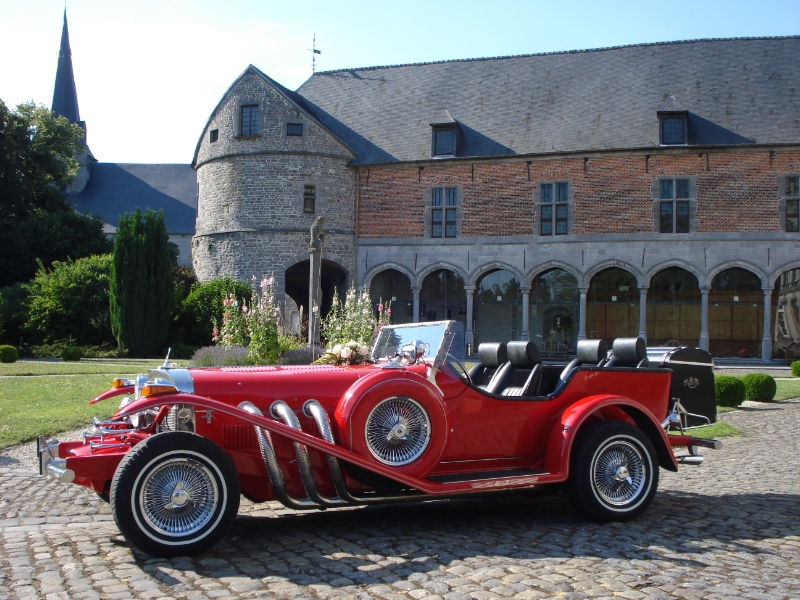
673	309
735	314
442	297
612	305
497	308
393	286
555	308
333	278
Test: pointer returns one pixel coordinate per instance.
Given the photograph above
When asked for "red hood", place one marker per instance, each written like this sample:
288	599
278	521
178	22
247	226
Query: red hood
235	384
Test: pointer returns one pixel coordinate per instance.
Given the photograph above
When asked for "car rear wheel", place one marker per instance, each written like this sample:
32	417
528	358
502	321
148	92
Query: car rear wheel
175	493
613	472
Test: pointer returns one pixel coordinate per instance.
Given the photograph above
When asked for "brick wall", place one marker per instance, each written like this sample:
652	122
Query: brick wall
737	191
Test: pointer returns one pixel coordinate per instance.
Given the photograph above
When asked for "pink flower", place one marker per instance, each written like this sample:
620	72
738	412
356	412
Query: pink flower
380	307
225	302
388	311
244	308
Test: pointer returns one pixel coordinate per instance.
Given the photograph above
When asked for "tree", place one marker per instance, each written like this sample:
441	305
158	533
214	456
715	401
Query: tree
141	291
48	237
37	161
71	301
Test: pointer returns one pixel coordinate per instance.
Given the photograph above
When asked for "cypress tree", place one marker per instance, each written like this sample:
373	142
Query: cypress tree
141	286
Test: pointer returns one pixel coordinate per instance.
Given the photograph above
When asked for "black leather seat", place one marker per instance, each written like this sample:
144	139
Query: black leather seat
588	352
491	357
628	352
524	368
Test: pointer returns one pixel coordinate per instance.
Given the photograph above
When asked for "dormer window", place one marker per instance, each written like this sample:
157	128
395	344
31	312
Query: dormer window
445	136
673	124
444	142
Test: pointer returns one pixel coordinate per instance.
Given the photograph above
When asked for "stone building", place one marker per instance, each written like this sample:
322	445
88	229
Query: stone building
642	190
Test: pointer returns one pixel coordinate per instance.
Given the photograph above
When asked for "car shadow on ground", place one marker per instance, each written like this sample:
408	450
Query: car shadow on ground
386	544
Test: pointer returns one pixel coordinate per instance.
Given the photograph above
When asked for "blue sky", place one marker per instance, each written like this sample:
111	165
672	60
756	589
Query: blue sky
149	72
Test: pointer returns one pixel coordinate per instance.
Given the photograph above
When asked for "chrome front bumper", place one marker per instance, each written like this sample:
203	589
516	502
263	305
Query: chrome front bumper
49	462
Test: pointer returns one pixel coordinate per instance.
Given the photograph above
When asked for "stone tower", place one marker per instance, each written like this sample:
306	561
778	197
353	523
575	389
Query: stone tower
266	168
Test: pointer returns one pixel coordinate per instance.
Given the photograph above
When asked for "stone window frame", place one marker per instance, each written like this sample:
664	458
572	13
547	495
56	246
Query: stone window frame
655	192
285	128
538	204
784	199
428	216
213	136
260	120
312	197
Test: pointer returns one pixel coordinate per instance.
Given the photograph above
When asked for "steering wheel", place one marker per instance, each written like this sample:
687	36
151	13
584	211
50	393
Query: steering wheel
461	367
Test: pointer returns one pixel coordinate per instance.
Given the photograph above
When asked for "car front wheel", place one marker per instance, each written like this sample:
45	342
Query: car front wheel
613	472
175	493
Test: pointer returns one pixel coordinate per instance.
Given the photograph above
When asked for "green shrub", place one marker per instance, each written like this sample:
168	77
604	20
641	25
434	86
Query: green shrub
70	300
8	354
220	356
729	390
203	307
795	367
55	349
15	312
71	353
759	387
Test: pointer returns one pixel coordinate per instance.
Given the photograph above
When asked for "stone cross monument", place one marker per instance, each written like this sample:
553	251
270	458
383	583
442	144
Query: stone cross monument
315	280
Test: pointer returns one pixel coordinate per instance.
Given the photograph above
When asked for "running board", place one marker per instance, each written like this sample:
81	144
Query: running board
493	478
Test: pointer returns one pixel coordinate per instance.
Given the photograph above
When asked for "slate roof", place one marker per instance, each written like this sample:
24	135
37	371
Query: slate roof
736	91
114	189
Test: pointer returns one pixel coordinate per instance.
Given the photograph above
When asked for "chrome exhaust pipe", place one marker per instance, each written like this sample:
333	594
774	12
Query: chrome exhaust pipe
282	411
274	473
314	410
695	460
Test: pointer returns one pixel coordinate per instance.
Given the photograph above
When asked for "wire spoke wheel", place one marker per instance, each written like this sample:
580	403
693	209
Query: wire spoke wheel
618	472
613	471
178	497
398	430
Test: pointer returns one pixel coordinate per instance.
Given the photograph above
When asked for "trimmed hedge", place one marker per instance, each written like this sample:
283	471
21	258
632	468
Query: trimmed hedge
729	390
8	354
759	387
71	353
795	367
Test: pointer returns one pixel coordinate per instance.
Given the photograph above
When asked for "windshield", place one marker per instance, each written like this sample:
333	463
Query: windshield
440	338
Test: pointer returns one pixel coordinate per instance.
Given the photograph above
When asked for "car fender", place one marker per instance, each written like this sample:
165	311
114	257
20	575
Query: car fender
354	408
566	428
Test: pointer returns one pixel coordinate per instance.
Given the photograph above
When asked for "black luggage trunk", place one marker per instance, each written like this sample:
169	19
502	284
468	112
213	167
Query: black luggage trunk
692	380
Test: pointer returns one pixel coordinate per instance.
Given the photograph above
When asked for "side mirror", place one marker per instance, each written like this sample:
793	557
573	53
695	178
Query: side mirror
414	350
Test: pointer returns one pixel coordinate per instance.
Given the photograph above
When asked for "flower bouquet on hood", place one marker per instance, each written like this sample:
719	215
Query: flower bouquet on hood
350	353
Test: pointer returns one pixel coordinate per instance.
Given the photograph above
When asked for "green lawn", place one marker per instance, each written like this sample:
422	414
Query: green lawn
83	367
717	430
787	388
49	405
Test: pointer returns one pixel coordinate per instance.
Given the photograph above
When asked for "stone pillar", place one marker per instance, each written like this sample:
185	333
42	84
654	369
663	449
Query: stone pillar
582	319
643	312
415	309
315	280
766	339
704	317
469	337
525	334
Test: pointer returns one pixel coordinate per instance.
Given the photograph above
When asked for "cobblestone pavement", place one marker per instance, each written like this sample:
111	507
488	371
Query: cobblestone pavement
729	528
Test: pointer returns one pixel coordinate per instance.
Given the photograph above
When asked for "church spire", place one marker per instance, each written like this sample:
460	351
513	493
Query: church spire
65	98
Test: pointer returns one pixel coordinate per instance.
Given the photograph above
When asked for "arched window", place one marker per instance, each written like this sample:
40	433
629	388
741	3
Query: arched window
393	286
442	297
612	305
735	314
497	308
673	309
555	308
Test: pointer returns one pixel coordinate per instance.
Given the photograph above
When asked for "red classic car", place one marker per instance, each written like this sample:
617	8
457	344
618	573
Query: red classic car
413	425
